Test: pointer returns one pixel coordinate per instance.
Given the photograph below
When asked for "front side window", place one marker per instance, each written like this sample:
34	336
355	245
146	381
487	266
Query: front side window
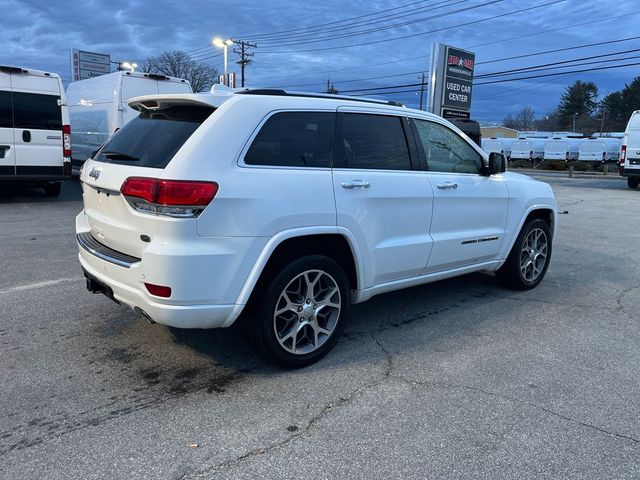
445	150
373	142
33	111
294	139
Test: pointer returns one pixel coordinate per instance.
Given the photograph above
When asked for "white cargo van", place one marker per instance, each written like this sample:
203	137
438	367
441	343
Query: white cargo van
612	148
630	151
556	149
492	145
35	143
521	149
98	106
592	150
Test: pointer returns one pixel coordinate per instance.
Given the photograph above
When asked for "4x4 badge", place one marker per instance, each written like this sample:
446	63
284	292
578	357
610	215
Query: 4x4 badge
94	173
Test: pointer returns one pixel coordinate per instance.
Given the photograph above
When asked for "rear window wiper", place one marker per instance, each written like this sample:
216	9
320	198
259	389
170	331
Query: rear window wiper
119	156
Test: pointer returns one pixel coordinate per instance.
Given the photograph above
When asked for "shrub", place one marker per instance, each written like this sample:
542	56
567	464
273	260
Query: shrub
579	166
552	165
520	164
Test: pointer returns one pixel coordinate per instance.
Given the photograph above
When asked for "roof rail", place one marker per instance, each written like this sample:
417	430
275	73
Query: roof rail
283	93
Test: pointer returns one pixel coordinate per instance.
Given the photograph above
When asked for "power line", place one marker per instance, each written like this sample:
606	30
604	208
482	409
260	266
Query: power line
559	50
275	43
362	23
256	36
426	57
386	40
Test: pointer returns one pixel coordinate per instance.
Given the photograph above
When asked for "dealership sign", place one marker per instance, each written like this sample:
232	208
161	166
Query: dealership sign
451	81
89	64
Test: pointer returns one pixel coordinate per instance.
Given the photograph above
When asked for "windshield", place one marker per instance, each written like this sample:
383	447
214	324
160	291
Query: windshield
153	137
557	147
591	147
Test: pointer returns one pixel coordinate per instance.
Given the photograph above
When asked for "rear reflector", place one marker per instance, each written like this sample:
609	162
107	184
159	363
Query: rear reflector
623	154
158	290
66	141
172	198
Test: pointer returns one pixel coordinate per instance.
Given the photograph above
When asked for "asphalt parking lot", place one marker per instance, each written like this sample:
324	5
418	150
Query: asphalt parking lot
458	379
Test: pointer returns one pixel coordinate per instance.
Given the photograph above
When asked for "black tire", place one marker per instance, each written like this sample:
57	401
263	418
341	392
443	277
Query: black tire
510	274
260	324
53	189
633	182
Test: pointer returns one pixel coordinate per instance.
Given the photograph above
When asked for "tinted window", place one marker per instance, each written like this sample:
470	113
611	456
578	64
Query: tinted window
154	137
294	139
445	150
33	111
374	141
6	115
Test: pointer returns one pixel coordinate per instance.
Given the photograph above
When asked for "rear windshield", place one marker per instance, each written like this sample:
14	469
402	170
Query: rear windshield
153	137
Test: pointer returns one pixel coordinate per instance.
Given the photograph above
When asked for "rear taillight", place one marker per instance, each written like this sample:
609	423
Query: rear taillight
158	290
623	154
66	141
173	198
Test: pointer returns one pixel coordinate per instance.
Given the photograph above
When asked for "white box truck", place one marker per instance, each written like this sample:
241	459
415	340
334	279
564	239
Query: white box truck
35	141
98	106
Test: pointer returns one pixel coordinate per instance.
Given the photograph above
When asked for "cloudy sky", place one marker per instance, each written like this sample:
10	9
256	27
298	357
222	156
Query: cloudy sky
386	43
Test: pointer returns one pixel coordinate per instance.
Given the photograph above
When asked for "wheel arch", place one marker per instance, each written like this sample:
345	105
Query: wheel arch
333	242
543	211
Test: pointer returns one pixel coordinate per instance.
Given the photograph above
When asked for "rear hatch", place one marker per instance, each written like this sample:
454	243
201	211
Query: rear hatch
521	149
591	151
142	148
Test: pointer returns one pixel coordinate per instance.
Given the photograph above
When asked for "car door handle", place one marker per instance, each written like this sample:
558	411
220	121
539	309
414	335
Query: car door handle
447	185
352	184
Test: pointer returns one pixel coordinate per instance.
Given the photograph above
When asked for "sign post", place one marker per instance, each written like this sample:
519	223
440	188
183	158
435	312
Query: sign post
88	64
450	81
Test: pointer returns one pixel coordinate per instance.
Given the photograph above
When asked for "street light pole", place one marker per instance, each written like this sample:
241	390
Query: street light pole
574	122
224	44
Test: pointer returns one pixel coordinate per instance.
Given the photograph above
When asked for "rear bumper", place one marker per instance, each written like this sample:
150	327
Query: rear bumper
178	316
198	278
629	172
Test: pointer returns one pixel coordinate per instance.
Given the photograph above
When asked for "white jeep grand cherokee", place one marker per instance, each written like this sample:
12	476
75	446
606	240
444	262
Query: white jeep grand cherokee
289	207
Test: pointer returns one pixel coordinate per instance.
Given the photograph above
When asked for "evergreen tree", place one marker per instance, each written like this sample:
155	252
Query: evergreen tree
579	99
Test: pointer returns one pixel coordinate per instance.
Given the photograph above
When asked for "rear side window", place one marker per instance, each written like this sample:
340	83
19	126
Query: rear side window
446	151
153	137
294	139
32	111
373	142
6	110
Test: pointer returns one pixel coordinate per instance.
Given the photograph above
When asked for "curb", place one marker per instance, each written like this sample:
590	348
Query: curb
565	174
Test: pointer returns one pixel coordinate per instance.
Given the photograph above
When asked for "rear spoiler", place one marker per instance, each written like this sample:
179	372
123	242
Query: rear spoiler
159	102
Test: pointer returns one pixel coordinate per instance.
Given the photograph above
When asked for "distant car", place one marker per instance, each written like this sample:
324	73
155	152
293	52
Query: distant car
290	207
630	151
35	141
98	106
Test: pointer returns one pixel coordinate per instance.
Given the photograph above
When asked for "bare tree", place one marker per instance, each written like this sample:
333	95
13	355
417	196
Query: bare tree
179	64
509	122
525	118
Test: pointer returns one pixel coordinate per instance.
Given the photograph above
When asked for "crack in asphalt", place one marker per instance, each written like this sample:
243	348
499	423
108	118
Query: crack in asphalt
621	295
325	410
516	400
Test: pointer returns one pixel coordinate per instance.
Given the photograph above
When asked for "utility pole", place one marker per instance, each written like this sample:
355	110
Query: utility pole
421	88
245	56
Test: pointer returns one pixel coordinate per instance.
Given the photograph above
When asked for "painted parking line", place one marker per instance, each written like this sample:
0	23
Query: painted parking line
47	283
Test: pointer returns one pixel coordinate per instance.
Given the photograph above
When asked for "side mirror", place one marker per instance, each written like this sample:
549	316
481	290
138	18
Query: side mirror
497	163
